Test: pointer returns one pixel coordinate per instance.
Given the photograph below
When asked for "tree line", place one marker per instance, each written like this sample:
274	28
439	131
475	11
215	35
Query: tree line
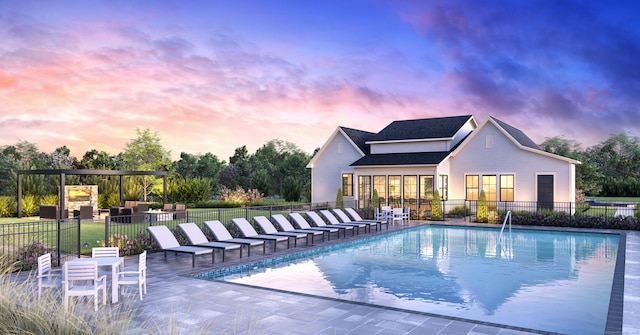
610	168
277	168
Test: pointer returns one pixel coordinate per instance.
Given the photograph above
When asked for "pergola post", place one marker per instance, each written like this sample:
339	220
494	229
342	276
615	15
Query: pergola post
61	197
19	196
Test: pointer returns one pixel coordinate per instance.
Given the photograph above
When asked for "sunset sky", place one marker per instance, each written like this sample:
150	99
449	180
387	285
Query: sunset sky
211	76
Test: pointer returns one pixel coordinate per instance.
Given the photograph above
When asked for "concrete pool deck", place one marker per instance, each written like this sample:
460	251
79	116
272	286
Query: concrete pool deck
226	308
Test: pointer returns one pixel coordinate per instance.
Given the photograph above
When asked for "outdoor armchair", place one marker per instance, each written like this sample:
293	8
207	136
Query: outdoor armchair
81	279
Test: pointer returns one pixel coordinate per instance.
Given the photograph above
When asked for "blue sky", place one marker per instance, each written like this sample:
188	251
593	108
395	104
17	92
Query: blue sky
210	76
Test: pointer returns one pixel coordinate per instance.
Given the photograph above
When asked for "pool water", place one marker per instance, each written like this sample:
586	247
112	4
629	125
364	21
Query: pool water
542	280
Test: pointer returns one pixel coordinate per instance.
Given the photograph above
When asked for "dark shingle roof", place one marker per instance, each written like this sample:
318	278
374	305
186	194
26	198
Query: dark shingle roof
518	135
413	158
443	127
359	137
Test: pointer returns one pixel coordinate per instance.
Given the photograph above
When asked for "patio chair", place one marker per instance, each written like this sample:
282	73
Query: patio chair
196	237
222	234
334	221
357	217
319	222
48	277
180	212
98	252
304	224
406	215
286	226
81	279
168	242
134	277
247	230
269	229
167	208
342	216
397	215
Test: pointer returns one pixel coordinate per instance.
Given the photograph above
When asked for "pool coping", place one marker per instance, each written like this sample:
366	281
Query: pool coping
614	322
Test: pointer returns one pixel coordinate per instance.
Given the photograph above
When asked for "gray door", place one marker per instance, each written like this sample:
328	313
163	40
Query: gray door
545	192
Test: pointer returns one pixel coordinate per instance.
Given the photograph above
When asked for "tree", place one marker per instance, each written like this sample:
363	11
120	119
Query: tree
145	153
339	198
291	189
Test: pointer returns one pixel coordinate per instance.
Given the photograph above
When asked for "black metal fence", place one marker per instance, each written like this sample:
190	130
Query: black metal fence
24	242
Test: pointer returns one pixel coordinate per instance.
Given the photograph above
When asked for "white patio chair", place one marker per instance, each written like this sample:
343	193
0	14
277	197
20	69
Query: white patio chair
397	215
135	277
406	215
105	252
48	277
81	279
98	252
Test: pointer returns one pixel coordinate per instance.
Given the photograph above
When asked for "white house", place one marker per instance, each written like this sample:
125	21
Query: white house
408	159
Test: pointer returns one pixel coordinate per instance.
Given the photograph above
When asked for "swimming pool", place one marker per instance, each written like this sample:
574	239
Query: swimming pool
543	280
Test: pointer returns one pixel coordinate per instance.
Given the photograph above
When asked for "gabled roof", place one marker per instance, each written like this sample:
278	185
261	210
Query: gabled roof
411	158
356	137
517	135
359	138
433	128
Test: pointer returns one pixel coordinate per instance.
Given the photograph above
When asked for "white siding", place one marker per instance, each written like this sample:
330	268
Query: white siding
326	174
404	147
504	157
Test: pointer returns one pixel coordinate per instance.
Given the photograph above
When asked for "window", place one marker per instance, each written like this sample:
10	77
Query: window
506	187
380	185
472	186
364	191
489	186
488	142
394	191
443	186
410	191
347	184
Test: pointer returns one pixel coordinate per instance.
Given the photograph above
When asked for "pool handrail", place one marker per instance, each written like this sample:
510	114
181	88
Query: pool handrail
506	217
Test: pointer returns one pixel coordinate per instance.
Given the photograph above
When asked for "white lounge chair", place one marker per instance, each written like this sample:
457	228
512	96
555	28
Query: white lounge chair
352	212
81	279
168	242
319	222
135	277
221	234
48	277
248	231
342	216
286	226
269	229
334	221
304	224
196	238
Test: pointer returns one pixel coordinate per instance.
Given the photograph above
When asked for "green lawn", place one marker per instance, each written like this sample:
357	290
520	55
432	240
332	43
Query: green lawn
617	199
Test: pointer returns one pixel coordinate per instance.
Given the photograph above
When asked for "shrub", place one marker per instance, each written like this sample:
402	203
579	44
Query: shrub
240	196
49	199
339	198
460	211
483	208
7	206
129	246
436	206
27	256
375	201
30	205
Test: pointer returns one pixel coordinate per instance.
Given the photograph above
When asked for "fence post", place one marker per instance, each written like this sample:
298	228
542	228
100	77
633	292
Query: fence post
106	231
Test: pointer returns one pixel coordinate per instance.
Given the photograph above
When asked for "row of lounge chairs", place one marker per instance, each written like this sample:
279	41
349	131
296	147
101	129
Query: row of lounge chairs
198	243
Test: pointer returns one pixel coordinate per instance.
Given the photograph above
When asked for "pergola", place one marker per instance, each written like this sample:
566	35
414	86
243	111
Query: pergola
85	172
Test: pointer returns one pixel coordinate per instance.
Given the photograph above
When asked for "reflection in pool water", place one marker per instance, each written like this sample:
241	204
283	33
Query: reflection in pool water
551	281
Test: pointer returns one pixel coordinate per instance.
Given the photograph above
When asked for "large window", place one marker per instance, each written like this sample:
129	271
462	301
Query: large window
443	186
347	184
472	186
394	191
410	192
506	187
380	185
364	191
490	188
426	193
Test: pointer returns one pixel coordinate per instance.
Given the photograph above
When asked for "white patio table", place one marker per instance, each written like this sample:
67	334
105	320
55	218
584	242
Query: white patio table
115	263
